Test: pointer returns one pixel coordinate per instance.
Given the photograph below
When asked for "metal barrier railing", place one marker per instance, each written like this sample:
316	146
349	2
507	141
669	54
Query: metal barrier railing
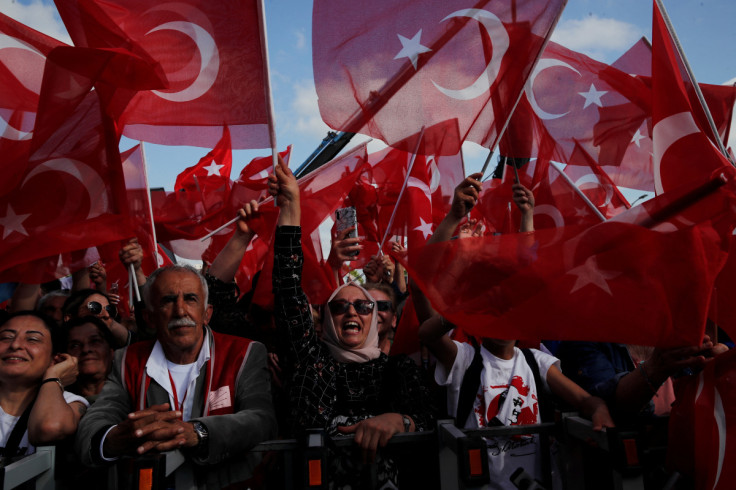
38	466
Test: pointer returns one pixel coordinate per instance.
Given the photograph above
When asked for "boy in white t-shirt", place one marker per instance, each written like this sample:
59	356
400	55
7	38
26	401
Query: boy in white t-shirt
507	393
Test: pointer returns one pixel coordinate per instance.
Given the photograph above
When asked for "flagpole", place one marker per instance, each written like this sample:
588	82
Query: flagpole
696	87
265	201
401	193
578	191
267	81
150	203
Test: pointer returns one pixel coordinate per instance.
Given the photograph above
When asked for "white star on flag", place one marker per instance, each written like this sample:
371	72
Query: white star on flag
589	273
13	222
637	138
593	96
213	169
425	228
411	48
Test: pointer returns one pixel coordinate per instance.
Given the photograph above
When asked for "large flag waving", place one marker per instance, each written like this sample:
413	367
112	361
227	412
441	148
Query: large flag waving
392	68
211	54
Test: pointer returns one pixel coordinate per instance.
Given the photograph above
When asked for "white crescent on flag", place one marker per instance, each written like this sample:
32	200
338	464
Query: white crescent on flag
26	76
543	64
500	41
665	133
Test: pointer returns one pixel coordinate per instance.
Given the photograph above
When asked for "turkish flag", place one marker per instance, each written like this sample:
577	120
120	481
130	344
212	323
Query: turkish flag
322	192
683	150
601	283
253	180
394	68
202	47
593	181
197	205
68	199
702	425
23	53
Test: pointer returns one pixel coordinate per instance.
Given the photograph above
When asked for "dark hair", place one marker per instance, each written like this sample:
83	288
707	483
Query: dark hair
385	289
84	320
47	322
77	299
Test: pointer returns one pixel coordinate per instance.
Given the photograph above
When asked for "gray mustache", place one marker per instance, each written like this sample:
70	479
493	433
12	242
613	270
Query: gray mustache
182	322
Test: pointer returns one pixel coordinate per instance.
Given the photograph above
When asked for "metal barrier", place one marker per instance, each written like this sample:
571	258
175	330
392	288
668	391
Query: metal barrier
38	466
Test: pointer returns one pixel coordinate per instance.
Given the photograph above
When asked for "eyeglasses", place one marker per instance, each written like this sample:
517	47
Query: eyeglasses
340	306
384	305
95	308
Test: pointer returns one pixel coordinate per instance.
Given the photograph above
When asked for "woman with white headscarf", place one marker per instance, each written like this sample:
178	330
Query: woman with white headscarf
343	382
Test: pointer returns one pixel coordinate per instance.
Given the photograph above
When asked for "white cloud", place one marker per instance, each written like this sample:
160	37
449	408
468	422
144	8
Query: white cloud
301	40
37	15
305	111
597	37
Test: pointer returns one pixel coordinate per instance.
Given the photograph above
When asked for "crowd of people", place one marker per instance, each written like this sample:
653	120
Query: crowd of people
199	369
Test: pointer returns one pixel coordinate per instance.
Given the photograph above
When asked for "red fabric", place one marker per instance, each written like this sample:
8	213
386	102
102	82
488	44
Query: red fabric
601	282
703	425
394	68
683	151
228	354
597	186
252	184
196	206
23	54
202	48
70	197
723	308
322	192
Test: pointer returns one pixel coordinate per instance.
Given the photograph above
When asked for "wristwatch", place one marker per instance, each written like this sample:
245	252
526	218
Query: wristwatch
203	437
407	422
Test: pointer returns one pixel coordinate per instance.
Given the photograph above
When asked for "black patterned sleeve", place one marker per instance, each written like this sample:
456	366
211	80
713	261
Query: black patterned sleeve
409	395
292	311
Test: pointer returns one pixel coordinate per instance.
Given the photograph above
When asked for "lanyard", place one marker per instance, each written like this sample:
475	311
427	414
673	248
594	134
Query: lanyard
176	399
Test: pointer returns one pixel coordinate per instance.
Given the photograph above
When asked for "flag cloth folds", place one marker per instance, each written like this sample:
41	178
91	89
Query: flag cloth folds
644	277
396	67
211	54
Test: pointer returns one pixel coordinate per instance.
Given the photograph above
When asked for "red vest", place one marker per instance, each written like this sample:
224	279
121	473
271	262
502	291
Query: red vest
227	357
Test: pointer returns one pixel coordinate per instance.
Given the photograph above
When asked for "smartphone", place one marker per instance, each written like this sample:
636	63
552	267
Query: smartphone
347	218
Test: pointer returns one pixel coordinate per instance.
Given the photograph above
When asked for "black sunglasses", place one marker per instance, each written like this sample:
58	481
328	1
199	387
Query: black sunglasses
340	306
95	308
384	305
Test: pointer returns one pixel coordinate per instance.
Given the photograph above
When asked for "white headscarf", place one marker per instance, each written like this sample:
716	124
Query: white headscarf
368	351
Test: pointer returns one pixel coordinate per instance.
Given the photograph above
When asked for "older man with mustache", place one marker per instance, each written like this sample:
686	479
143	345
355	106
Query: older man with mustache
193	389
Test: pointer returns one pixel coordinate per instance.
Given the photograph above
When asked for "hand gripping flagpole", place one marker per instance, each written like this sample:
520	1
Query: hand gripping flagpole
691	75
403	188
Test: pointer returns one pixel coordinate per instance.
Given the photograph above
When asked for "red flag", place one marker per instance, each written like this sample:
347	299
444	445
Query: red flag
253	180
394	68
703	425
683	151
197	205
595	183
67	200
202	47
321	192
600	283
23	53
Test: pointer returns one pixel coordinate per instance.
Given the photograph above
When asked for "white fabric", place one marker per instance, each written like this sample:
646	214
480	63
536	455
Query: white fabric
370	349
157	369
7	422
510	379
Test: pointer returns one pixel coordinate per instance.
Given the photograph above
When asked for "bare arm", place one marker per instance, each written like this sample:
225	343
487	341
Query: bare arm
132	254
590	406
524	200
465	197
282	185
52	418
25	297
228	260
433	334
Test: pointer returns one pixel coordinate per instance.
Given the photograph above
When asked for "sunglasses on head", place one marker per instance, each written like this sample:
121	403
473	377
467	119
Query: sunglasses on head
340	306
95	308
384	305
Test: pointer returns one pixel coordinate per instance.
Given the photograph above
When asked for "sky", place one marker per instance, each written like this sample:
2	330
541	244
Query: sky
601	29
